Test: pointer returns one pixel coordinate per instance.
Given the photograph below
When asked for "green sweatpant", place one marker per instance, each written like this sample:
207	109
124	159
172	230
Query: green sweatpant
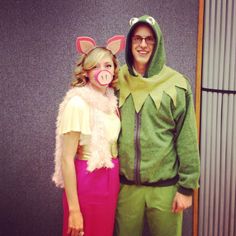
136	202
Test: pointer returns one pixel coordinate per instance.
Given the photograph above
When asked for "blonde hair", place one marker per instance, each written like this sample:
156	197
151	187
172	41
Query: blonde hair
88	62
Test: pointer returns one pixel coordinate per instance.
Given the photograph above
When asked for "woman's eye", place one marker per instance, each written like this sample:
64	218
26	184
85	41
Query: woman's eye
108	66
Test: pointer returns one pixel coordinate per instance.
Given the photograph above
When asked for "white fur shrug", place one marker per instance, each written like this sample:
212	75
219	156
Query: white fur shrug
98	103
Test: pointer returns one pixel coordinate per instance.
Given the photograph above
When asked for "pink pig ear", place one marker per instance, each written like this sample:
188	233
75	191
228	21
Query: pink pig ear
116	43
85	44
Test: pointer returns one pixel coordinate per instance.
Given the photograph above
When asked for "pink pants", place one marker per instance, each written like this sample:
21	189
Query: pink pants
97	193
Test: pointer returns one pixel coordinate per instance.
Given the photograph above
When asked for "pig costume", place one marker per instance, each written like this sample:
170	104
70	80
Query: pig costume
95	117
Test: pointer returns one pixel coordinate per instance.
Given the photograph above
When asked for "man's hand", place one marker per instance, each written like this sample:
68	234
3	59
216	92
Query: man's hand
181	202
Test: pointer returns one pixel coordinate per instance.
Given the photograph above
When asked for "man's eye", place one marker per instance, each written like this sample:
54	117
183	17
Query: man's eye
138	38
150	40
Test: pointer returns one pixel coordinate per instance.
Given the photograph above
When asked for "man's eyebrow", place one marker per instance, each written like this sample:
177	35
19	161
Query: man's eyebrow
142	36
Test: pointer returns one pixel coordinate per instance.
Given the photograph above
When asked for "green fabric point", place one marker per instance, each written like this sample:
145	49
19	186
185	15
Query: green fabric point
140	88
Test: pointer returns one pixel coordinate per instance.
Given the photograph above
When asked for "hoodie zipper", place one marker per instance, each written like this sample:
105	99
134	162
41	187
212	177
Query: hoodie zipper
137	159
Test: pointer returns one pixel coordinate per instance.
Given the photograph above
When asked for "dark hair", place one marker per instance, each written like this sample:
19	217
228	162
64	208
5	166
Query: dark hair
128	50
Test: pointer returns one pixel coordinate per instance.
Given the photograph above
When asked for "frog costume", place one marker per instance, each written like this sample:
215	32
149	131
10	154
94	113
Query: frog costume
158	145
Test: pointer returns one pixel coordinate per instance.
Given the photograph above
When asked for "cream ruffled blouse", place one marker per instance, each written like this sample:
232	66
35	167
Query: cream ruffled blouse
76	117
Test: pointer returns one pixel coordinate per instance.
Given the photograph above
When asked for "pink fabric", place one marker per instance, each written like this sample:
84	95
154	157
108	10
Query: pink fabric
98	193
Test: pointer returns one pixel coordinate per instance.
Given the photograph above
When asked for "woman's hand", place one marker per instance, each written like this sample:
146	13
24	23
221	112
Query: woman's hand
75	224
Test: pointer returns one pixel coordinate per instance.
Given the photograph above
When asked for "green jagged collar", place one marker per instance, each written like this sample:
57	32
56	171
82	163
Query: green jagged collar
166	81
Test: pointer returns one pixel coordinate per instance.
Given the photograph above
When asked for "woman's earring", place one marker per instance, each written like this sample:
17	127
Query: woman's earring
85	74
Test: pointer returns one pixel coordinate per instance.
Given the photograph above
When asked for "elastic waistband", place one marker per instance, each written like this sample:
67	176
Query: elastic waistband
160	183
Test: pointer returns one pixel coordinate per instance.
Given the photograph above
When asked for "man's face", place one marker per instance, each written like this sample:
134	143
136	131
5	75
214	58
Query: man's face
143	42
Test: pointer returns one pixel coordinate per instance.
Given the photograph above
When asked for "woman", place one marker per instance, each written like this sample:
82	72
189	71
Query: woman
86	163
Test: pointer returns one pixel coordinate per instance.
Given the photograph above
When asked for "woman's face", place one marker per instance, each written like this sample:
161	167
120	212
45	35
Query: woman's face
102	74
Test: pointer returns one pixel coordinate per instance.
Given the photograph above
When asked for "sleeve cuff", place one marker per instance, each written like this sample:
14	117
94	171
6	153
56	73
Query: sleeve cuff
185	191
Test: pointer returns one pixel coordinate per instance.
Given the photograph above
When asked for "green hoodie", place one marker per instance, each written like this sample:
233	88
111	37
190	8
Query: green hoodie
158	141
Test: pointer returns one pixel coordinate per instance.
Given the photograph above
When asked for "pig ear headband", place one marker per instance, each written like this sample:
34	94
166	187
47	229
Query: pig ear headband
115	44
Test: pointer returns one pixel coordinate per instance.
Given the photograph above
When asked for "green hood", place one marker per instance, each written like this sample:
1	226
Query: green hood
158	58
161	78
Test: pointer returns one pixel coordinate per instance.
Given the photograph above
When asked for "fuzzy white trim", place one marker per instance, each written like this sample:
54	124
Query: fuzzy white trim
99	144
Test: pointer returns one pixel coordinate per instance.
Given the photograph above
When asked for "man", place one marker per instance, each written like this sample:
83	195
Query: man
159	158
